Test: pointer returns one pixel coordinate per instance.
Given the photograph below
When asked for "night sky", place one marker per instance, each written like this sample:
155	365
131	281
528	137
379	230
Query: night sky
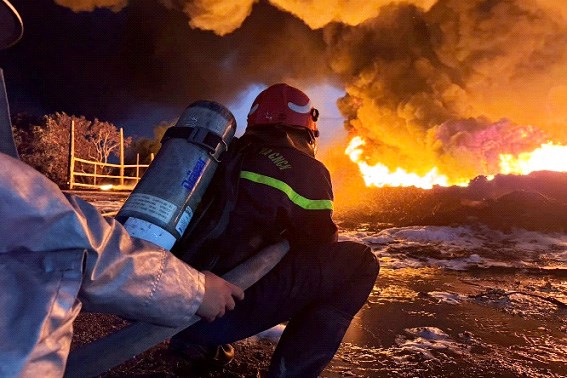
145	64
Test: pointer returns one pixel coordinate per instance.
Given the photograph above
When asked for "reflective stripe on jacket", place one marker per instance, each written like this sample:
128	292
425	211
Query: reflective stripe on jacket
282	191
295	197
289	190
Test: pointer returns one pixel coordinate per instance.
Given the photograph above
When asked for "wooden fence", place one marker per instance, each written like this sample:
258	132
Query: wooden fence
99	175
102	176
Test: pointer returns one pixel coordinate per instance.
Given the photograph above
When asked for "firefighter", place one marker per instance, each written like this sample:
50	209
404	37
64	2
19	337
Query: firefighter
284	192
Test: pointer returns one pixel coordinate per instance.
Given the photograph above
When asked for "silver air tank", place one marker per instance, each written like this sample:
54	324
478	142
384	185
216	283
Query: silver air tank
161	205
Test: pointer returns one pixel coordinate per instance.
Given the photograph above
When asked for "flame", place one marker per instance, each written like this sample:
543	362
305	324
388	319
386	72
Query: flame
547	157
379	175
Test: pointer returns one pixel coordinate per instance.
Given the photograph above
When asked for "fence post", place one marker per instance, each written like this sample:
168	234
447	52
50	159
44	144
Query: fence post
71	154
94	177
137	167
121	156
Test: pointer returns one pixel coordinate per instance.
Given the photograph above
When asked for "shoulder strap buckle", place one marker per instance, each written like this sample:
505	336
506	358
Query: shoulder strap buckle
199	136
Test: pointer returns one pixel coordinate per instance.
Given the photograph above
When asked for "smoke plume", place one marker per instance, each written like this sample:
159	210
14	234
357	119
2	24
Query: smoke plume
145	64
445	83
431	88
90	5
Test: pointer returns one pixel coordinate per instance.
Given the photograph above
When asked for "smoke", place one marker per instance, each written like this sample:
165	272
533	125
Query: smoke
446	83
220	16
427	88
209	66
225	16
318	13
90	5
472	146
144	64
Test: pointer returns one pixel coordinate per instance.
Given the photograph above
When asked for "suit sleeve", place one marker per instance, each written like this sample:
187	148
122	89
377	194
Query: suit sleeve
120	274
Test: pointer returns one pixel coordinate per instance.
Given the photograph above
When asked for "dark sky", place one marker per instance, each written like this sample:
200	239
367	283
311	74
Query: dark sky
144	64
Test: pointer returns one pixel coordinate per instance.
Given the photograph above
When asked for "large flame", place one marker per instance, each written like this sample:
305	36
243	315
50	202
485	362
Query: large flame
549	157
380	175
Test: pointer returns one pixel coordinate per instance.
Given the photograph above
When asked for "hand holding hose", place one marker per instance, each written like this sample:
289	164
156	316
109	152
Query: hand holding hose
219	297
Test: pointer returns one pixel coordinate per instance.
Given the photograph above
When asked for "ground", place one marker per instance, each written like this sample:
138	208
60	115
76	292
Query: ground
481	291
252	355
418	322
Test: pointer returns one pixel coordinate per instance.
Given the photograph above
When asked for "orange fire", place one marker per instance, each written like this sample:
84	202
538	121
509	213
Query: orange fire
549	157
379	175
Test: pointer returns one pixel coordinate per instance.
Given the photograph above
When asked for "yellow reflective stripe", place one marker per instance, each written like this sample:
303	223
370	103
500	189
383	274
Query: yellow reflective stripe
298	199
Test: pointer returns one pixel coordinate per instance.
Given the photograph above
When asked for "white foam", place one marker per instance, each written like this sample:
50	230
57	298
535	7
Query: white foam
425	340
463	247
446	297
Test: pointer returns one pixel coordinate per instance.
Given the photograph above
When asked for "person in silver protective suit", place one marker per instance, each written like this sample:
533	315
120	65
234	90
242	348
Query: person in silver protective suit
58	255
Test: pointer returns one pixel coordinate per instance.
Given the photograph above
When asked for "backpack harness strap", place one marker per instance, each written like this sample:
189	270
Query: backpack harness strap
199	136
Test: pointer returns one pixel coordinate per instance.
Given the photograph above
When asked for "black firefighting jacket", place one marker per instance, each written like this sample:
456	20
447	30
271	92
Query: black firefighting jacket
280	192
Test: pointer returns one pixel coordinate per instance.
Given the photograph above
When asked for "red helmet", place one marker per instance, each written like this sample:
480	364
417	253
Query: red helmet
282	104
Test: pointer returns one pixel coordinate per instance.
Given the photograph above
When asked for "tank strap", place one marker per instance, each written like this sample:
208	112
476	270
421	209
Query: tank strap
213	213
199	136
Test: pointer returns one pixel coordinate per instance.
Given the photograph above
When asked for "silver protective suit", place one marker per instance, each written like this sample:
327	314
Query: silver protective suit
58	255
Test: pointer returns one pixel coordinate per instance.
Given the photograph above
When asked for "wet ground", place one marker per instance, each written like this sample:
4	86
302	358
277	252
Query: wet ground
430	322
449	302
460	301
418	322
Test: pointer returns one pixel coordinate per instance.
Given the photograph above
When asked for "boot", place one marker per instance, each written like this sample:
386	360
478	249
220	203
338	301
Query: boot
203	355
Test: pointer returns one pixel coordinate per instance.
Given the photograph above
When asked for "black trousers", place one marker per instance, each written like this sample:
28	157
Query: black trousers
317	292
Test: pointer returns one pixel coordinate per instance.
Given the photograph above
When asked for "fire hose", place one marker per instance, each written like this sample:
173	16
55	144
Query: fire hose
103	354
